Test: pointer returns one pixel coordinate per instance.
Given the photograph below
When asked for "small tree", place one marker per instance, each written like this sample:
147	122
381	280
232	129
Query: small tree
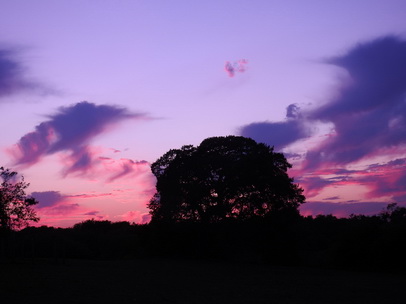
225	177
15	206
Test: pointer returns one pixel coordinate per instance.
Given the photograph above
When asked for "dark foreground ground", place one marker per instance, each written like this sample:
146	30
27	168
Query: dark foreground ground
175	281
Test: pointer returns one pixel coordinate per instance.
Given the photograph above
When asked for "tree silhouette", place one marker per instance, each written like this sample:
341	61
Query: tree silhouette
15	206
393	213
223	178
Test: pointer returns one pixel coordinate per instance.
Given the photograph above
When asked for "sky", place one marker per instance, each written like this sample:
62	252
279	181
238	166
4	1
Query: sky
93	92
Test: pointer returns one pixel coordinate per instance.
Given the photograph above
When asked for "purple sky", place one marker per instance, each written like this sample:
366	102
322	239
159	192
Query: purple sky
93	92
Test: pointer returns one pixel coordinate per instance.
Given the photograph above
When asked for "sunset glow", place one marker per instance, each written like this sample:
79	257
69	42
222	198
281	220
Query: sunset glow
94	92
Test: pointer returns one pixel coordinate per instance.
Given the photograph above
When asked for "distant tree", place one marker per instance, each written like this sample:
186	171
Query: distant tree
225	177
393	213
15	206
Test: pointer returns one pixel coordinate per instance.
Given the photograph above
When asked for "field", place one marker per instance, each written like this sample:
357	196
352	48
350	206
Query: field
180	281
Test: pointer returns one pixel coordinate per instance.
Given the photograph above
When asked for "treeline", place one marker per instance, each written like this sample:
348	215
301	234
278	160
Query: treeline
373	243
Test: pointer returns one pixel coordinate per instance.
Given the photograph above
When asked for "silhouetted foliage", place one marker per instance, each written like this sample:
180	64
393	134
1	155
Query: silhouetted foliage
393	213
223	178
15	206
370	243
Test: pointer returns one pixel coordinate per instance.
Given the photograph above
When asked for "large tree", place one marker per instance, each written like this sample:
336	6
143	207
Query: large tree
15	206
224	177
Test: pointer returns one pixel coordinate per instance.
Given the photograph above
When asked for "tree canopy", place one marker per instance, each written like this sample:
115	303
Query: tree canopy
224	177
15	206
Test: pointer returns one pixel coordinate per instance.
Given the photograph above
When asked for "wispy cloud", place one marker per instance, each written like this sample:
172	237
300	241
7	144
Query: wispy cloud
12	74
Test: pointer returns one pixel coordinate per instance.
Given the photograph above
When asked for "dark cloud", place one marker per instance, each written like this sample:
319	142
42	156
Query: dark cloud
378	76
293	111
53	203
331	198
70	129
368	119
370	113
12	74
278	134
48	198
94	212
77	124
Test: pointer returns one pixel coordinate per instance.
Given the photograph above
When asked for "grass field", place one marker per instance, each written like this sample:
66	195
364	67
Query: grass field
174	281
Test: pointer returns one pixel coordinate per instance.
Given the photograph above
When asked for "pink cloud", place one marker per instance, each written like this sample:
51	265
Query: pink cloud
60	214
237	66
124	167
63	210
387	179
136	217
66	214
